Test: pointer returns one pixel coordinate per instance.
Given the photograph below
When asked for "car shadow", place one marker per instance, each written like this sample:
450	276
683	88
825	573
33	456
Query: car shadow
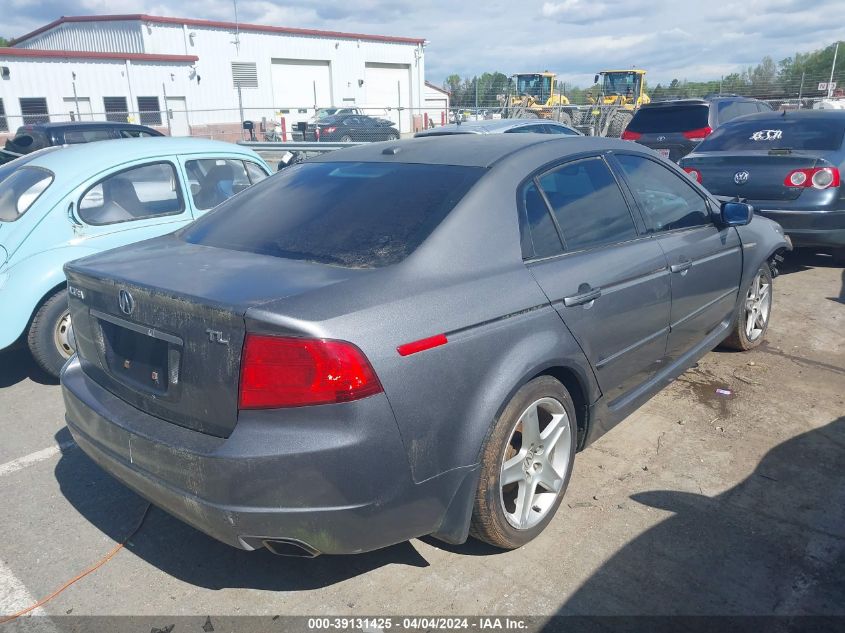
805	258
185	553
772	545
16	365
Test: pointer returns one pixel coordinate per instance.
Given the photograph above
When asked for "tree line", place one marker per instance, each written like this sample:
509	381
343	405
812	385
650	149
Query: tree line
788	78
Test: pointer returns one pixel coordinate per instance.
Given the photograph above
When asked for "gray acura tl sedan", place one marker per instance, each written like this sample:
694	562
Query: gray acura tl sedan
405	338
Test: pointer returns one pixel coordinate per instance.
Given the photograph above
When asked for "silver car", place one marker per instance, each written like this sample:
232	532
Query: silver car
502	126
406	338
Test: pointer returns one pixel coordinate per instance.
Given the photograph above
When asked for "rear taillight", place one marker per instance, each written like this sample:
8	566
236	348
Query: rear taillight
693	173
279	372
816	177
628	135
329	130
698	135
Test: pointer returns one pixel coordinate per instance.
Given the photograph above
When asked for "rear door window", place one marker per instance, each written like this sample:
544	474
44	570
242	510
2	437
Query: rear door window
215	180
540	237
666	199
681	118
355	215
777	131
588	204
133	194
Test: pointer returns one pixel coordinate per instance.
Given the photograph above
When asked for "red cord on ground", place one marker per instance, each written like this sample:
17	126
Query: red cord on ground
81	575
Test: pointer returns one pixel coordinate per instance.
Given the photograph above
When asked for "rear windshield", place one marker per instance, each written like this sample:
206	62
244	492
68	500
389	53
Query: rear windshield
777	132
355	215
20	189
669	119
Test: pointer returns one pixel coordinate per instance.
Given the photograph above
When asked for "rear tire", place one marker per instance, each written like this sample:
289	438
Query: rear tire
618	124
345	139
526	464
753	313
48	336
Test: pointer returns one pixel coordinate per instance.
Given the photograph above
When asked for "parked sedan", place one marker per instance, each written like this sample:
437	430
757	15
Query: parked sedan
345	129
405	338
788	165
31	138
59	204
502	126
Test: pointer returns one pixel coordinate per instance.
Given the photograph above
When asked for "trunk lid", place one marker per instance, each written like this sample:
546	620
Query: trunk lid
764	173
161	324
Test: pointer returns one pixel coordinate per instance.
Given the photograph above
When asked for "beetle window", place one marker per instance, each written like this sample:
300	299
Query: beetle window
20	190
215	180
140	192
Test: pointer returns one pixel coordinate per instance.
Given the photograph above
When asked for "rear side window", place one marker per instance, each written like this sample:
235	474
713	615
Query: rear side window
20	189
666	199
73	137
355	215
133	194
541	239
670	119
588	204
732	109
777	132
256	173
213	181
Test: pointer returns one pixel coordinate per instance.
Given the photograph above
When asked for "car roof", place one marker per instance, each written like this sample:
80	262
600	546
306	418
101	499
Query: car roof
71	160
83	124
470	150
487	126
838	115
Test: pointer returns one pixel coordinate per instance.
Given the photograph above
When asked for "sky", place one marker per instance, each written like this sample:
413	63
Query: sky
683	39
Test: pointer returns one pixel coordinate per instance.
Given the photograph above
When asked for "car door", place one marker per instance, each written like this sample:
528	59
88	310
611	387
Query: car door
132	203
705	260
608	280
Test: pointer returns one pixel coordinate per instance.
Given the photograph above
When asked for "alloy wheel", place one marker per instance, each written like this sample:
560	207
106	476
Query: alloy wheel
535	463
758	304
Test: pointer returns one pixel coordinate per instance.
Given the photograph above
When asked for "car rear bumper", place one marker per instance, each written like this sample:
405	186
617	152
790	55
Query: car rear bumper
338	484
809	228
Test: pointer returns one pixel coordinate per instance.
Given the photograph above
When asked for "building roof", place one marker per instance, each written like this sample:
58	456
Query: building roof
437	88
136	57
214	24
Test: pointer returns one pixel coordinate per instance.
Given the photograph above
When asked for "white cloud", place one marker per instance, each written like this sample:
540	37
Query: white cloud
670	39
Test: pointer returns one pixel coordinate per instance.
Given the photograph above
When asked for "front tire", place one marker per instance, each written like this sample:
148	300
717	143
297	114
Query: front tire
49	336
526	464
752	314
619	122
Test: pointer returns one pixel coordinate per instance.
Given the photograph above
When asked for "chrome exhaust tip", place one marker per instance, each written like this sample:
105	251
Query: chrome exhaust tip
290	547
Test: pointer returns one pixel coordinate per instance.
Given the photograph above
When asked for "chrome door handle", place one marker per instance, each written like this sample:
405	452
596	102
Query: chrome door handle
681	267
582	298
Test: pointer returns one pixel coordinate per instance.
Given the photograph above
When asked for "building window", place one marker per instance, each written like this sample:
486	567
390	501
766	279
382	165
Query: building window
244	74
4	125
34	110
149	110
116	109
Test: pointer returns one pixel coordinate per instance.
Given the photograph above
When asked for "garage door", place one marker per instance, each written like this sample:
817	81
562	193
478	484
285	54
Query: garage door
295	84
387	87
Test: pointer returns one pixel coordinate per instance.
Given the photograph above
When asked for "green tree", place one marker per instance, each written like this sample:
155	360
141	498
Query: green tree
3	42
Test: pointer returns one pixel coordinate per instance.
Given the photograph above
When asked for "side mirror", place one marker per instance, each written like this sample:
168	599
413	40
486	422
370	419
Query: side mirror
736	214
596	79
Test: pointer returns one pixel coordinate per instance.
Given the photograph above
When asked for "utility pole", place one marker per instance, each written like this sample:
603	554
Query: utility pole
476	96
801	89
832	67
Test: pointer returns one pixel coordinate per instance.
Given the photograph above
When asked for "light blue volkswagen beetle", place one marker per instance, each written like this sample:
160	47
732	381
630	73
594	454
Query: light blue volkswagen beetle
60	204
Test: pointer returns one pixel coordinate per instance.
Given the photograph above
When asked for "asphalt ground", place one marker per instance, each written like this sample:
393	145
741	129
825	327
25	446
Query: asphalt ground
699	503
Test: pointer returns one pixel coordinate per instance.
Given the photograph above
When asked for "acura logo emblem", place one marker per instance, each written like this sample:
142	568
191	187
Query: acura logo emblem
741	177
126	302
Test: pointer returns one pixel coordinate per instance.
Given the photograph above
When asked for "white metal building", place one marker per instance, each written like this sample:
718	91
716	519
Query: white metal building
208	76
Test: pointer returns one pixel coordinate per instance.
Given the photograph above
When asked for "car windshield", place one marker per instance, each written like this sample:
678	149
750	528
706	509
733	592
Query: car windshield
777	132
20	189
658	119
355	215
